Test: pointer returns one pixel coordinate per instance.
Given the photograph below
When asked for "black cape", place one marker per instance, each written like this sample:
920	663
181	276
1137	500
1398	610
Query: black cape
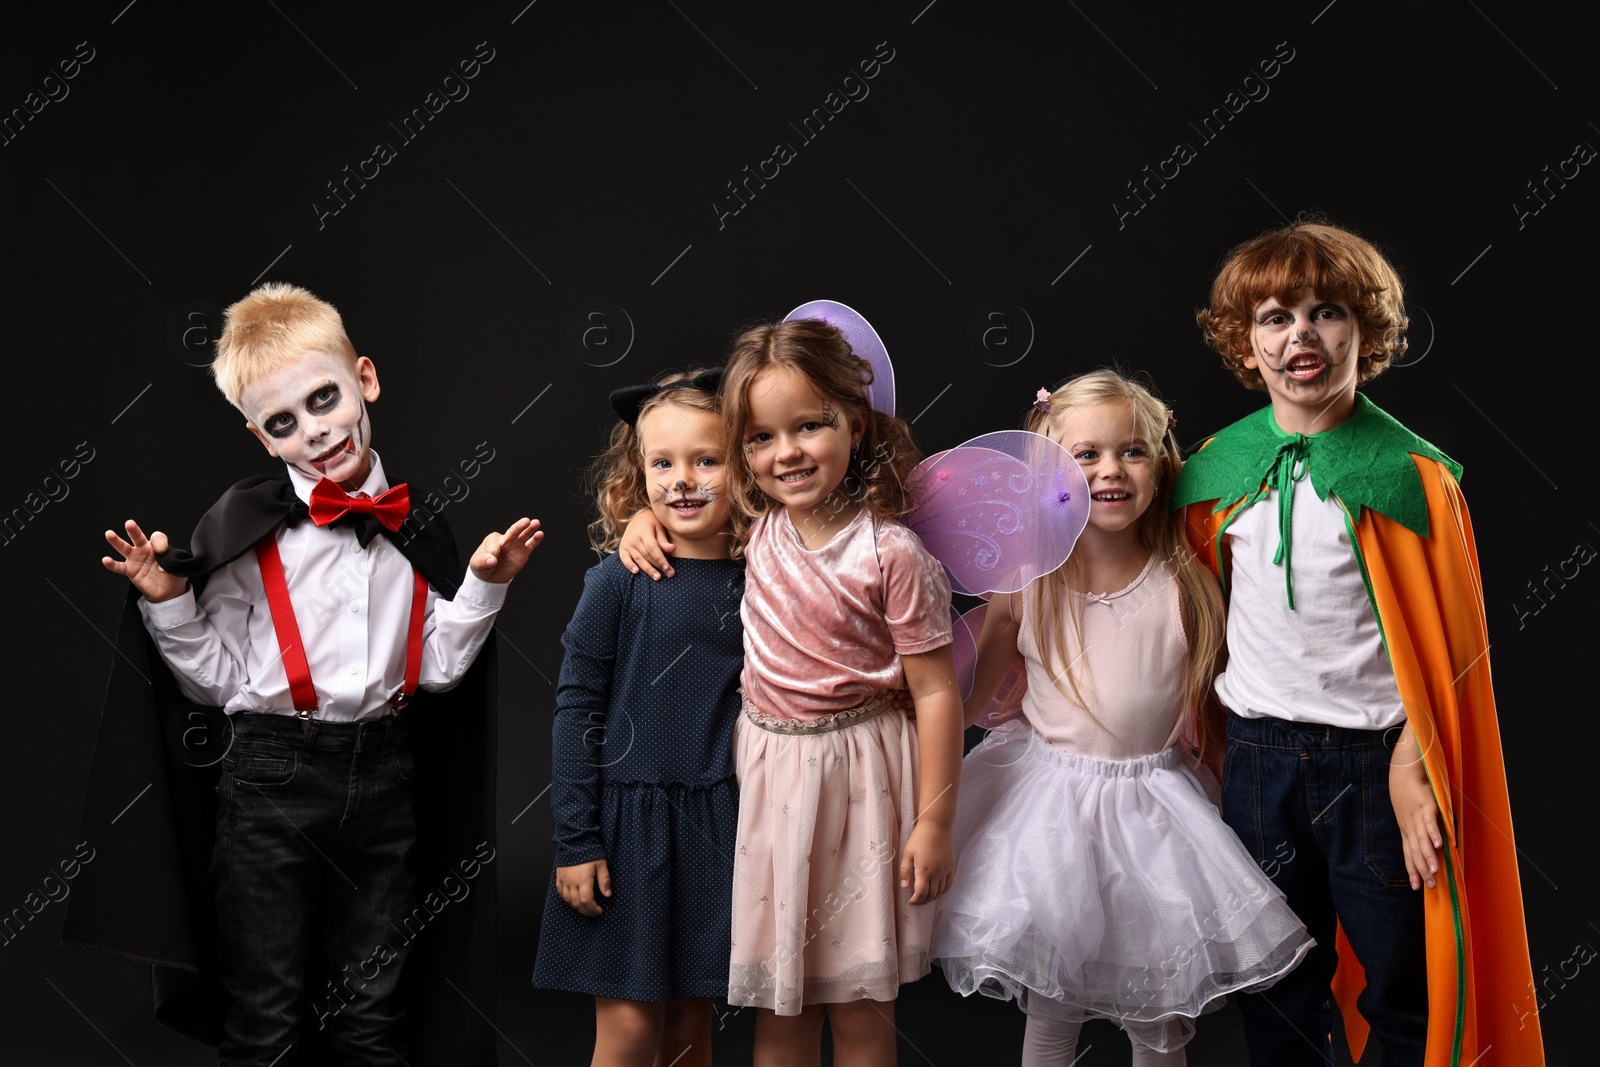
150	815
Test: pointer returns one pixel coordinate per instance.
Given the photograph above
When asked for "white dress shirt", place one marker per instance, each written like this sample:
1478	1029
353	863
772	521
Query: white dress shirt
353	608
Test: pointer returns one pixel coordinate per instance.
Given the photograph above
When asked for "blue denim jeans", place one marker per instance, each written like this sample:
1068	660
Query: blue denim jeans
1311	803
314	836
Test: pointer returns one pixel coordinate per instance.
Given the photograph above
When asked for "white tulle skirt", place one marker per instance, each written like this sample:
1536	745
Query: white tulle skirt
1092	888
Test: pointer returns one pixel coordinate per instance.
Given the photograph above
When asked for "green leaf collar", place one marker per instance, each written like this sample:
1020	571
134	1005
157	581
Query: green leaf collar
1365	461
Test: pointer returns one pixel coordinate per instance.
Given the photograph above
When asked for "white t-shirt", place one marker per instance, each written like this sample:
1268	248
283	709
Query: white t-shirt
1322	662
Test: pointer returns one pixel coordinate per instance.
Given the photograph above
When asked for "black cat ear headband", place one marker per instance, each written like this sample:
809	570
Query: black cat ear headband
628	400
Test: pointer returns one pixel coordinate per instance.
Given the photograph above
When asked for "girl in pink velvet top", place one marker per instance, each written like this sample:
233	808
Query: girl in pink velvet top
846	805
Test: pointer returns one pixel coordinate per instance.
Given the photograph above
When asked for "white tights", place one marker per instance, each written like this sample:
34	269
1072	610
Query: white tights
1050	1043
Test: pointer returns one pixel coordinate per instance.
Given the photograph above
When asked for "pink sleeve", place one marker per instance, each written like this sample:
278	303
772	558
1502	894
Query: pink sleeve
916	597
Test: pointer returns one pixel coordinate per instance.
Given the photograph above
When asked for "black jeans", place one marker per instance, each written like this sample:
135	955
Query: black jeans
1311	803
314	828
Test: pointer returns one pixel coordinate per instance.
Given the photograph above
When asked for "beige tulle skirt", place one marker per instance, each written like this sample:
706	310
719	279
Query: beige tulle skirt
825	808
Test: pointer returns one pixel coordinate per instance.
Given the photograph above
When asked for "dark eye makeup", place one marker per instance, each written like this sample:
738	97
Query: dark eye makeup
323	399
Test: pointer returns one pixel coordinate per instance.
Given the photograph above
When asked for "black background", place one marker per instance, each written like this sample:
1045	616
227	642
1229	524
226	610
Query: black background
583	171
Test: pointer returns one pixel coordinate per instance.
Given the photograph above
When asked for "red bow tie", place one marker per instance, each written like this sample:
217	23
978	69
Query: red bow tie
329	503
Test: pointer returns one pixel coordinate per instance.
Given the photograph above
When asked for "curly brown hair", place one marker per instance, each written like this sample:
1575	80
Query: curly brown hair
616	477
1333	263
880	466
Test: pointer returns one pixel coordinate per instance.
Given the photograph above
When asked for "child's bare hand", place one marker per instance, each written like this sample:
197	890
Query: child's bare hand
645	545
1418	815
139	563
928	863
576	885
902	701
501	556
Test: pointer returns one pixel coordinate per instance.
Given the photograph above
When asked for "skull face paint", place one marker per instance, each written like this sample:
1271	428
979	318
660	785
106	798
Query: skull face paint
312	414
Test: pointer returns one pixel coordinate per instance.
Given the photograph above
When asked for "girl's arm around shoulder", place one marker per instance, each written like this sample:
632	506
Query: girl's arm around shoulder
645	545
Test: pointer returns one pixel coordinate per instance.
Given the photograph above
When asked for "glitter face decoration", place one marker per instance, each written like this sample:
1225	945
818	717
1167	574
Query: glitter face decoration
799	445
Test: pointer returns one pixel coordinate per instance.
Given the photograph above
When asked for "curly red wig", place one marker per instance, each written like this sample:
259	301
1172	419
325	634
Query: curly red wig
1333	263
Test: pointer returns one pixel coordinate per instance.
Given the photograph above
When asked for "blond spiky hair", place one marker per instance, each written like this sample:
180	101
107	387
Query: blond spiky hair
271	328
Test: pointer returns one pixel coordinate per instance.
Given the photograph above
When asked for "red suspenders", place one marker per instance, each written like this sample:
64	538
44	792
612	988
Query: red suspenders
295	666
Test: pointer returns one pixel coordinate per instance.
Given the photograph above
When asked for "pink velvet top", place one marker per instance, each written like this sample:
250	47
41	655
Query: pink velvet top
824	629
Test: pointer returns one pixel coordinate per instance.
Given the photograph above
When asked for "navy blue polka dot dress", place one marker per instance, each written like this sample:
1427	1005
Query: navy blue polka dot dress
644	779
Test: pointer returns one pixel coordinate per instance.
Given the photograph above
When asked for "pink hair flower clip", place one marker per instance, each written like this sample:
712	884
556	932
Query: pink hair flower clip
1041	401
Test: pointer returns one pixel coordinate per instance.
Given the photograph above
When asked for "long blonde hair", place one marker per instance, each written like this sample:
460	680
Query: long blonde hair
1161	531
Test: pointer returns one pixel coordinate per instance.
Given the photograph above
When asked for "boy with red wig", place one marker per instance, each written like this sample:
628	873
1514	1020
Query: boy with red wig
1362	738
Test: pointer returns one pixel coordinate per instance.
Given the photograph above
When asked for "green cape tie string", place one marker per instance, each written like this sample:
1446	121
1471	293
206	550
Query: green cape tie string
1288	467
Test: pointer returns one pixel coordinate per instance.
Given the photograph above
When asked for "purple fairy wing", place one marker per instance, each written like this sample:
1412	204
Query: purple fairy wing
1006	703
864	341
1000	510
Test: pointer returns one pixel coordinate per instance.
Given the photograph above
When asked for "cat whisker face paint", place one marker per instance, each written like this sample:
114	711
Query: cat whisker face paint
687	500
685	474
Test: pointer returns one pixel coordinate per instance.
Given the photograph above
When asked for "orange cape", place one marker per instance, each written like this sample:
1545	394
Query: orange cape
1428	598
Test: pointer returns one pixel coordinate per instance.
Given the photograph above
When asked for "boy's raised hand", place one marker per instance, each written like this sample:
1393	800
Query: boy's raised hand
645	544
139	563
502	555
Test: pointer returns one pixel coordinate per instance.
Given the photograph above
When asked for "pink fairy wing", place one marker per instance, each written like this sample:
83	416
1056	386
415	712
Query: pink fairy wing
964	646
1006	703
1000	510
864	341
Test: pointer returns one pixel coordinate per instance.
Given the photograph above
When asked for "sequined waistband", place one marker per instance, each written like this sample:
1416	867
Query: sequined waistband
822	724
